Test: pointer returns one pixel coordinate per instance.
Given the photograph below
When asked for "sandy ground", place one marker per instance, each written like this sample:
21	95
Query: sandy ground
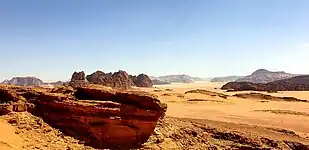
193	121
236	110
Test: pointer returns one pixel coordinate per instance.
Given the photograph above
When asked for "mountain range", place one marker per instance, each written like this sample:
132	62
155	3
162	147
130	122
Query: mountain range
265	76
24	81
177	78
29	81
226	79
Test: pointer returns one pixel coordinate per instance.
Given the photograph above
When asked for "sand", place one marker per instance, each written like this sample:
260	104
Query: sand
236	110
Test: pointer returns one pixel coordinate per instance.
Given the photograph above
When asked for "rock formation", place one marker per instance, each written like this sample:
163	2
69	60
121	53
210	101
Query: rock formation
78	79
24	81
119	80
103	118
78	76
142	80
265	76
298	83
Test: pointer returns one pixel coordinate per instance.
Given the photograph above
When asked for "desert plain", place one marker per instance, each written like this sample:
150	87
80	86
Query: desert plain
199	116
280	114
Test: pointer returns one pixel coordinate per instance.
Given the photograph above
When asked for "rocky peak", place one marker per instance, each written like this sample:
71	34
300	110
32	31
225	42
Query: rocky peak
260	71
5	82
265	76
142	80
80	76
121	74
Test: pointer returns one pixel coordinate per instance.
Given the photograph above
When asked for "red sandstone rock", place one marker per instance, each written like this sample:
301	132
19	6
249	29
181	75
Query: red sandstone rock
102	117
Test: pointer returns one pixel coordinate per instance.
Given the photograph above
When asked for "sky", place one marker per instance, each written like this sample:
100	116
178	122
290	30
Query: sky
203	38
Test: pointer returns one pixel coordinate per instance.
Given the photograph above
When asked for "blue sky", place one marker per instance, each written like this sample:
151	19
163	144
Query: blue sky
205	38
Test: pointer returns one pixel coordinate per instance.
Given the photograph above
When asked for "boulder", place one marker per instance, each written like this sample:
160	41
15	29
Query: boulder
105	118
101	117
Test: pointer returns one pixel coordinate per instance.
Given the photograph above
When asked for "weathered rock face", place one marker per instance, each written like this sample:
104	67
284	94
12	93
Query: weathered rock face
80	76
119	79
142	80
78	79
102	117
298	83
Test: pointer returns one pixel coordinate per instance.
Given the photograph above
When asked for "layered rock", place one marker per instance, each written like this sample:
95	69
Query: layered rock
102	117
298	83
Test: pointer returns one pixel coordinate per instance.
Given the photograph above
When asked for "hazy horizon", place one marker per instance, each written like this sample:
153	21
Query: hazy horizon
52	39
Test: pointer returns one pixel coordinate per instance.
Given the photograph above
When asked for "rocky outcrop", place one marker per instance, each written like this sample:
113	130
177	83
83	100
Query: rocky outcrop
244	86
119	79
265	76
24	81
142	80
79	76
298	83
78	79
102	117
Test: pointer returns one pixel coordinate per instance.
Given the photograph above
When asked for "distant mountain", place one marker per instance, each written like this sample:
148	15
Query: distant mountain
177	78
5	82
159	82
265	76
226	79
24	81
297	83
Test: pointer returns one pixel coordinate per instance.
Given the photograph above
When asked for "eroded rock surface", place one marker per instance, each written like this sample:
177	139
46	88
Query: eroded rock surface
119	80
102	117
